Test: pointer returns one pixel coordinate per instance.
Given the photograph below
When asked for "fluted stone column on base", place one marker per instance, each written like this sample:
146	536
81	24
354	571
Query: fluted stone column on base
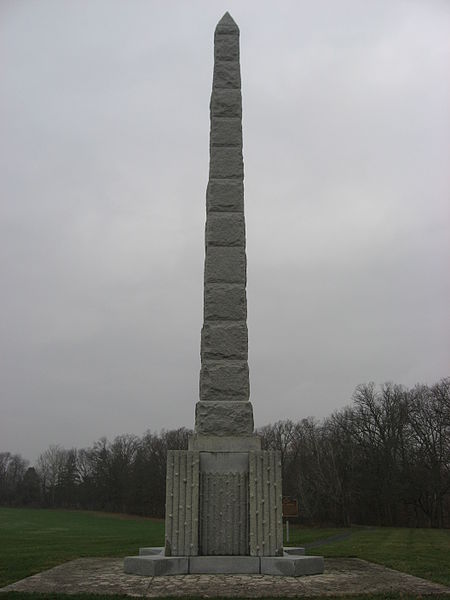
223	495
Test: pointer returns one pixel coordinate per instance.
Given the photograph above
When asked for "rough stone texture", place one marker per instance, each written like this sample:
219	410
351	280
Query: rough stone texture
224	345
233	443
224	463
226	47
225	229
224	195
223	515
227	74
225	264
226	162
224	503
224	380
341	576
224	564
226	132
225	301
150	566
226	25
292	566
266	524
224	340
226	103
224	418
182	503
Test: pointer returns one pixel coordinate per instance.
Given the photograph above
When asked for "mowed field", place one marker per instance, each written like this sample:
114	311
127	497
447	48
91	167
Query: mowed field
34	540
420	552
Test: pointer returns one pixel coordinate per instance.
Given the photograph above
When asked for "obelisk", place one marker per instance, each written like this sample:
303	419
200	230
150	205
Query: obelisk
238	515
223	494
224	407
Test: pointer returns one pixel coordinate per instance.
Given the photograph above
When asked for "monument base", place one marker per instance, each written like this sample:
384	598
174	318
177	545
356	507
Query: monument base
152	562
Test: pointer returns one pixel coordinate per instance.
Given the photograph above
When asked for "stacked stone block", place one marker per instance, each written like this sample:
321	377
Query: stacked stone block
224	407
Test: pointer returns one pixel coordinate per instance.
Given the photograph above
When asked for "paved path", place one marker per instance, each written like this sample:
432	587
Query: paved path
338	537
106	576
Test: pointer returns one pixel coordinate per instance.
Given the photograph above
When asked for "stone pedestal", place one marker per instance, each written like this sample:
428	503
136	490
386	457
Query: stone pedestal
152	565
220	502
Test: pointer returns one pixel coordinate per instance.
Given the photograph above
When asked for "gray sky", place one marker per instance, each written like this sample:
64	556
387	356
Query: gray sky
103	169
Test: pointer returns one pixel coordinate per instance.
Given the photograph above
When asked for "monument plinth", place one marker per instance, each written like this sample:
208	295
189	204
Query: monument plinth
223	494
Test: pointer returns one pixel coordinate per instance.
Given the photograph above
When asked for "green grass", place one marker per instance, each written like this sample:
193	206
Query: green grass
420	552
34	540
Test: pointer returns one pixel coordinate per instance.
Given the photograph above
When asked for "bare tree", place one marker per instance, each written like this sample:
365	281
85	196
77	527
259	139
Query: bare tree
12	471
50	468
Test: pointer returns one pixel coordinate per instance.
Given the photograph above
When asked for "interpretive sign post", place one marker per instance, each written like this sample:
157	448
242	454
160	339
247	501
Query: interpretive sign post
290	509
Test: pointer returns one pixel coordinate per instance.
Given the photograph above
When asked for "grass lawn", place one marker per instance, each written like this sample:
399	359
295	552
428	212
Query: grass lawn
420	552
34	540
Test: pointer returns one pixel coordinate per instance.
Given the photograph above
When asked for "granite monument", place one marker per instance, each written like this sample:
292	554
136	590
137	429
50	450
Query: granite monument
223	494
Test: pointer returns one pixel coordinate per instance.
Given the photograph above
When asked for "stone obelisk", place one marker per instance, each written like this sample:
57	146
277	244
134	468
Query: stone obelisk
224	407
239	499
223	494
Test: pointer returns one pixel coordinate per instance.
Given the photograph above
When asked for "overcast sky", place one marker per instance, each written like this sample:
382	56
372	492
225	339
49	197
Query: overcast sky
103	169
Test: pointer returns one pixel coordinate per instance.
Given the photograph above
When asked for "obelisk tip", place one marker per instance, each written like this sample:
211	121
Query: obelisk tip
227	24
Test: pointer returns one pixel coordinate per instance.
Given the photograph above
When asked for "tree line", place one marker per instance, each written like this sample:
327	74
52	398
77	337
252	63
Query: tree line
383	460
